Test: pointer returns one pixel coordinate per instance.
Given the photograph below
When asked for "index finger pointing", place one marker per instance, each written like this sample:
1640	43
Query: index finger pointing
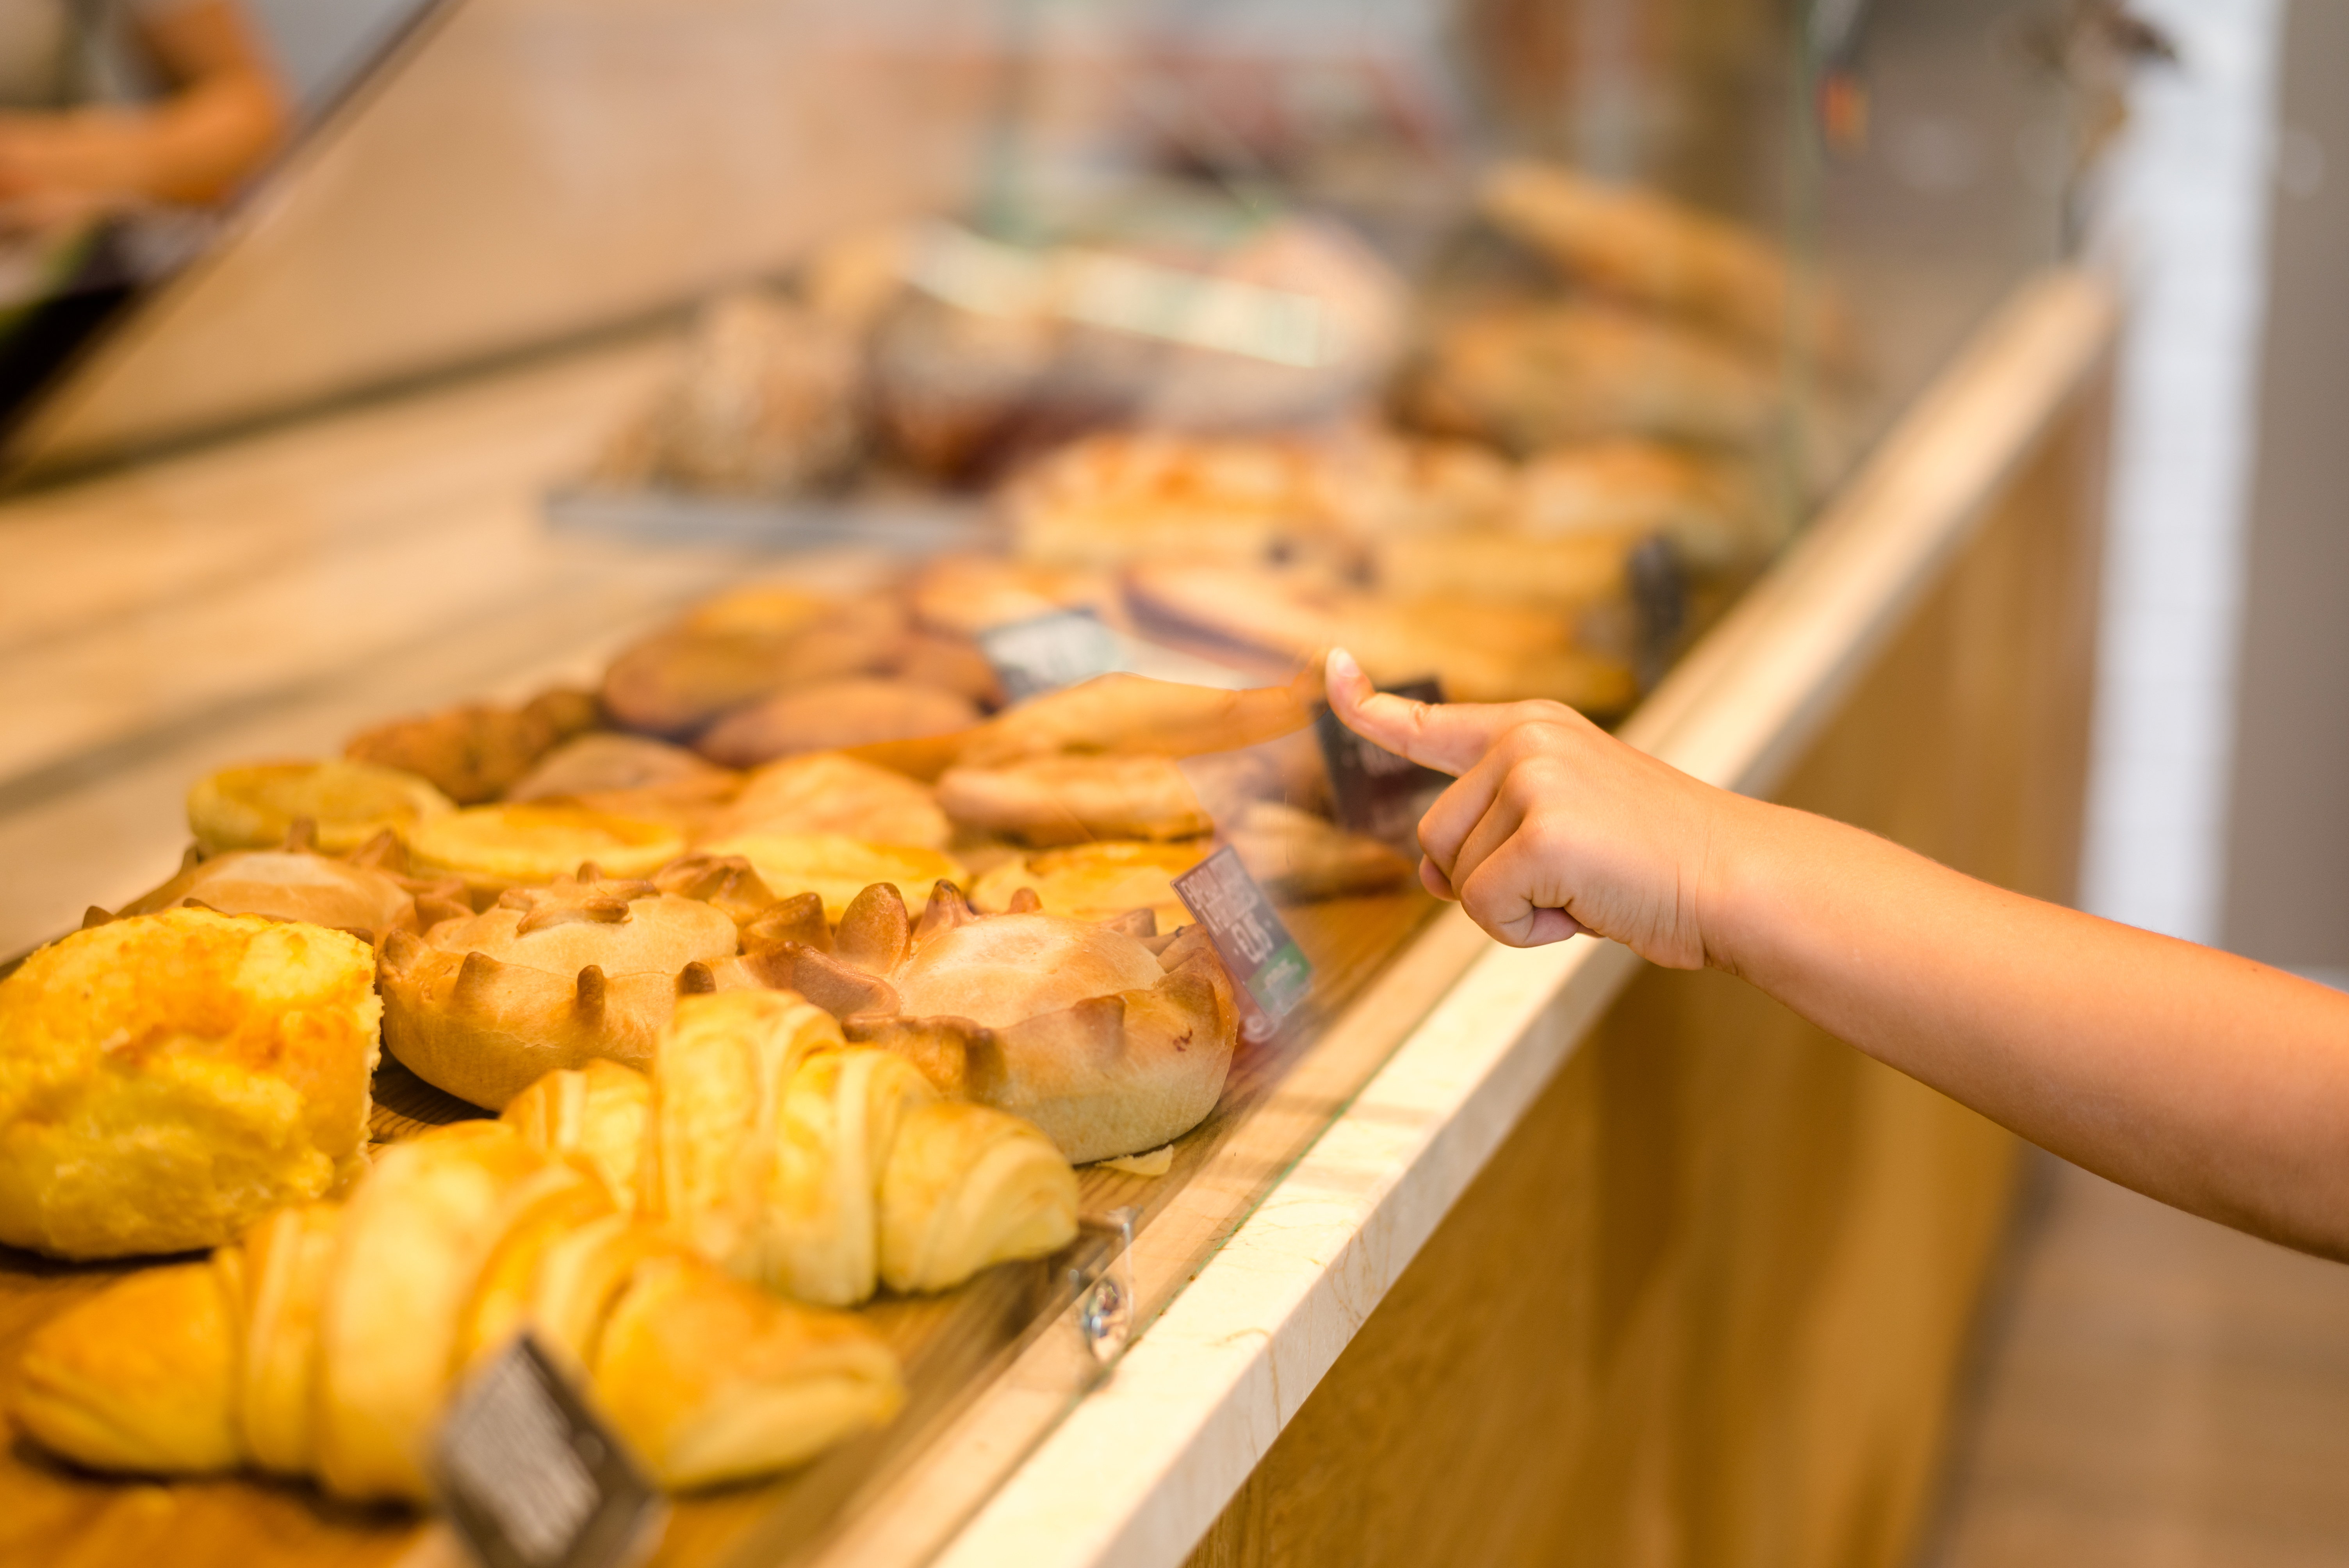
1449	737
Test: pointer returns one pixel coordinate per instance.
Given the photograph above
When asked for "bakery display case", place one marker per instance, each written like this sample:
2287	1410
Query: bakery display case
740	587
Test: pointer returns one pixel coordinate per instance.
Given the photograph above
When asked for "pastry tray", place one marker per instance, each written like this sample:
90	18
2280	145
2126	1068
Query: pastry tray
989	1367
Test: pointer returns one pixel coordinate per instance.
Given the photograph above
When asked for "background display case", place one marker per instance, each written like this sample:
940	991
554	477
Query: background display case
1509	342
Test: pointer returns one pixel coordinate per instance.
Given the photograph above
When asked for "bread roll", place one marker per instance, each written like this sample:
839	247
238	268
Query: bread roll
166	1080
330	1343
255	808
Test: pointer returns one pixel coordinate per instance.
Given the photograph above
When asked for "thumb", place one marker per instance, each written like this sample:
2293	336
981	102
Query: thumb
1451	737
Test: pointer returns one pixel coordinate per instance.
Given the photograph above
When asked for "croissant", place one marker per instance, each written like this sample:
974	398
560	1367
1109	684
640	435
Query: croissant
328	1343
789	1157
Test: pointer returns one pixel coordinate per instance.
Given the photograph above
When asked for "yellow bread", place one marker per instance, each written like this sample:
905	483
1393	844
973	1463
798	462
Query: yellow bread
965	1185
841	1115
713	1380
716	1091
254	808
836	867
166	1080
288	1258
596	1114
415	1239
1097	881
342	1336
493	848
142	1377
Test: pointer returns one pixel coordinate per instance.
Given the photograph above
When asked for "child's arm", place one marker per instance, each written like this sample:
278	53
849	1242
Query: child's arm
2204	1079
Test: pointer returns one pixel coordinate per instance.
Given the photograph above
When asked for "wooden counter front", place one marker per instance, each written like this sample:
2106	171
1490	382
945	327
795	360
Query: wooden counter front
1708	1303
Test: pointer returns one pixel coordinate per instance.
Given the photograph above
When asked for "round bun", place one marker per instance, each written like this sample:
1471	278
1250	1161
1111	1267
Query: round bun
255	806
493	848
552	978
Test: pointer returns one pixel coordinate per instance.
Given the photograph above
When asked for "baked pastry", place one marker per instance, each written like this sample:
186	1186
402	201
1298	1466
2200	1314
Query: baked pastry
1707	508
1113	498
967	595
1529	376
1643	246
1559	573
548	977
1097	881
832	715
768	403
596	1113
347	803
834	866
328	1344
1388	484
597	764
167	1078
474	752
1483	648
1129	712
361	895
493	848
824	1170
1069	800
825	792
1078	1027
1298	858
743	647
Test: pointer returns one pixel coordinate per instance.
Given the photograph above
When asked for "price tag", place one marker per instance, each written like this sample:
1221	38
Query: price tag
1272	970
1375	792
531	1478
1034	656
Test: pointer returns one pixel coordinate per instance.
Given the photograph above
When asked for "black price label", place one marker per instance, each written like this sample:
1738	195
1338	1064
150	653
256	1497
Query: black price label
1375	792
1273	973
1034	656
531	1478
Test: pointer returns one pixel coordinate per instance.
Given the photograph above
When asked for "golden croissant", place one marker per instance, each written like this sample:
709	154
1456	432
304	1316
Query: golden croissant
327	1343
819	1169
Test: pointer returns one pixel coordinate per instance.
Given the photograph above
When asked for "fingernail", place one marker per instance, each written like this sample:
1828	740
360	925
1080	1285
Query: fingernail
1340	665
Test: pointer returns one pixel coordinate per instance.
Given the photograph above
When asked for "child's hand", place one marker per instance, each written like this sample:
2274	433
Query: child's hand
1555	827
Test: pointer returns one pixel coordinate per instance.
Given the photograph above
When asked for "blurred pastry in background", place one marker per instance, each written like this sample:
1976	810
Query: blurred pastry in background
1527	377
825	792
1118	497
533	843
365	894
834	715
1299	858
347	804
1640	245
1067	799
768	402
1484	648
1709	505
168	1078
476	751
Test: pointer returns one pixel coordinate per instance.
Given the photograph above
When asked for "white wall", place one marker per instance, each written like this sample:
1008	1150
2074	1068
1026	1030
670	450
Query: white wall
2187	221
